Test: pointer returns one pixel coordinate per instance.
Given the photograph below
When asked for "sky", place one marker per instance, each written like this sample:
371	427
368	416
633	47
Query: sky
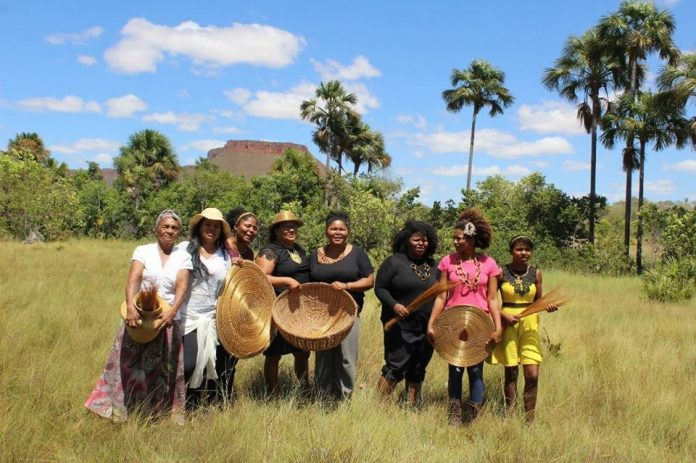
85	75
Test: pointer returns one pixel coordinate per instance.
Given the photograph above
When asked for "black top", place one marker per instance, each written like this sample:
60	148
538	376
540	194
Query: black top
285	266
398	282
354	266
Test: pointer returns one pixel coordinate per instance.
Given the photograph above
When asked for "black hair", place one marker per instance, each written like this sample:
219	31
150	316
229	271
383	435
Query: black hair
484	231
410	228
194	248
337	215
521	239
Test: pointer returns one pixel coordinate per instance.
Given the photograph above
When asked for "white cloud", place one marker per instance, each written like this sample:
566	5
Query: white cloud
144	44
202	145
124	106
228	130
86	60
366	100
660	187
333	70
238	96
688	165
417	121
461	170
279	105
550	117
77	38
86	145
186	122
576	165
67	104
498	144
540	164
103	158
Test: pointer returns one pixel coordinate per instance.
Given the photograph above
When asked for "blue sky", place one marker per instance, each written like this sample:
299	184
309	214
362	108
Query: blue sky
87	74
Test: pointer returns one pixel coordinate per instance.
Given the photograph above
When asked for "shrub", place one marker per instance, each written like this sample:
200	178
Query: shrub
671	280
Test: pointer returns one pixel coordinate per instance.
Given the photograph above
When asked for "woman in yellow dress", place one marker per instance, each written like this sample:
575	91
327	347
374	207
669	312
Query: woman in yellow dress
520	284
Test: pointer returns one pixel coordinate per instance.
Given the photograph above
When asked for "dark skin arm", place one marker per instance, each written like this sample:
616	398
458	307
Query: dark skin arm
268	266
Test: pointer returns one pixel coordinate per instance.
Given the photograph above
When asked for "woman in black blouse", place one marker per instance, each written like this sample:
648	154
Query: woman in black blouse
286	265
400	279
346	267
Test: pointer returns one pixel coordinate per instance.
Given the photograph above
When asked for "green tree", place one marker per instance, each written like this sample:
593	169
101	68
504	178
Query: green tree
366	146
582	74
629	35
678	82
28	145
480	85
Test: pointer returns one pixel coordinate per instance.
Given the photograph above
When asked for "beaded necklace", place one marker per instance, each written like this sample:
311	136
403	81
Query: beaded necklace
422	271
464	275
520	286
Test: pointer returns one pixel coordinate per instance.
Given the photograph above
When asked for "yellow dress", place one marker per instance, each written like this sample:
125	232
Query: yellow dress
520	344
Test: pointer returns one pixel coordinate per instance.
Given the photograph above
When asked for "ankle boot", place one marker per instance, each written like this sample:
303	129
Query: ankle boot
413	393
385	386
472	412
454	412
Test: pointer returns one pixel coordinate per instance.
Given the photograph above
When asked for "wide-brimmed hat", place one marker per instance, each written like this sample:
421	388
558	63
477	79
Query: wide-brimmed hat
285	216
150	323
211	213
462	335
244	323
314	316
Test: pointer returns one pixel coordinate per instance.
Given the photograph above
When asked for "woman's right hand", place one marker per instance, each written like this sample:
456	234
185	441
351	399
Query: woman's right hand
293	284
132	316
431	335
400	310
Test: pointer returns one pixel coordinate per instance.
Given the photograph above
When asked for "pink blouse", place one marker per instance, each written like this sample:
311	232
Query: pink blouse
462	294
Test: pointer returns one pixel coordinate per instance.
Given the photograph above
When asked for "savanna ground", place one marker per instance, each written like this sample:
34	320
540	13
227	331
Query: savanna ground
618	382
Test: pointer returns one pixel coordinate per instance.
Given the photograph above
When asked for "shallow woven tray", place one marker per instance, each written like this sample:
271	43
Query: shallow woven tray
461	335
315	316
244	311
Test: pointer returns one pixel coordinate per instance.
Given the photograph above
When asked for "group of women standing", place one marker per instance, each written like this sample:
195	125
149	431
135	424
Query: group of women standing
185	352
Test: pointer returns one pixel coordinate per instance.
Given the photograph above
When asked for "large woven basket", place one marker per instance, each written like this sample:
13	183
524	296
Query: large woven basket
315	316
244	311
462	334
150	324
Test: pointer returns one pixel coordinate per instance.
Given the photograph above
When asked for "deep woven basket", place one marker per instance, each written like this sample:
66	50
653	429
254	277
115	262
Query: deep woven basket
244	322
315	316
462	334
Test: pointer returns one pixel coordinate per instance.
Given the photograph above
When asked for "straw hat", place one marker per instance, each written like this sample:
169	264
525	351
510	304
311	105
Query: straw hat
461	335
211	213
244	311
315	316
285	216
150	324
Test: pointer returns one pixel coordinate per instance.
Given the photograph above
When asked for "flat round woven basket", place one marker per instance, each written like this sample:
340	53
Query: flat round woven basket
461	335
315	316
244	311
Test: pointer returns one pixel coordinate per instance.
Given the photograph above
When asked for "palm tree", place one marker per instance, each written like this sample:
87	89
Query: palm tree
480	85
637	29
333	119
367	147
581	74
29	143
649	120
678	82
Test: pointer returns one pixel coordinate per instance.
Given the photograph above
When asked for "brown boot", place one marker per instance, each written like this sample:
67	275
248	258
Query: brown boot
385	386
454	412
413	393
471	412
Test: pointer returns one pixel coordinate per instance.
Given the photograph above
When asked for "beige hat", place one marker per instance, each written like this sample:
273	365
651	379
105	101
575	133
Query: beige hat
284	216
150	323
211	213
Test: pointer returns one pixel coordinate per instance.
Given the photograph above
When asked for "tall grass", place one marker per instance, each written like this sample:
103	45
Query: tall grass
620	387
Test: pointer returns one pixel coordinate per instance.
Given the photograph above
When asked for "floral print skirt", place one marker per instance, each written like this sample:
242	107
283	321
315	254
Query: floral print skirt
145	377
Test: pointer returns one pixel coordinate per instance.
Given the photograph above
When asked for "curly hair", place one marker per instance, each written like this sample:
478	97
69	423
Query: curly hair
410	228
483	230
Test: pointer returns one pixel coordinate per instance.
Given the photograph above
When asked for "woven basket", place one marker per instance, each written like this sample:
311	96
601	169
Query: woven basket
462	334
244	311
150	324
315	316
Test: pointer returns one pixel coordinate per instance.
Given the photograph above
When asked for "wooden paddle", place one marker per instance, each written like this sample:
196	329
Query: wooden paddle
415	304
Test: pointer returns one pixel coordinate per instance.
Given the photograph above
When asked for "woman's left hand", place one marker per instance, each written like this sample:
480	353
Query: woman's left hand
497	336
551	308
339	285
237	261
167	318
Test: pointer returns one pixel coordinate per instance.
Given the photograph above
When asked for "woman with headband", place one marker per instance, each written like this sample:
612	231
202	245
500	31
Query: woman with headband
245	229
520	284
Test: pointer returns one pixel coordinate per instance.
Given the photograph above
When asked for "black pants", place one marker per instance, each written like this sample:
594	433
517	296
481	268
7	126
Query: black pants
225	366
404	359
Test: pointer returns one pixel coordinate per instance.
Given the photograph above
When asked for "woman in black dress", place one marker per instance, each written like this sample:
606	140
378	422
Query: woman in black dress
286	265
404	275
346	267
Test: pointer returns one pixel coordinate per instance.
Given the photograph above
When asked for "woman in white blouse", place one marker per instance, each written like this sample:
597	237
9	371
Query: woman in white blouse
207	366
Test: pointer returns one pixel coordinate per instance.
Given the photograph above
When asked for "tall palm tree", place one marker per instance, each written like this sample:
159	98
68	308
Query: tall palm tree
678	82
480	85
367	147
581	74
333	120
31	144
649	120
637	29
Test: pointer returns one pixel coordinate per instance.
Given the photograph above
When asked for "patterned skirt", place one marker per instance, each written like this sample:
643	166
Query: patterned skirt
145	377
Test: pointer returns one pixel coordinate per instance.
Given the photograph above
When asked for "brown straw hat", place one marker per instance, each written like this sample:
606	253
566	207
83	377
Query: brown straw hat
315	316
150	324
461	335
211	213
284	216
244	311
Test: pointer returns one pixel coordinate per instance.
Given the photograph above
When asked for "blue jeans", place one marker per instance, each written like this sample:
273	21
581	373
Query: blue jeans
454	383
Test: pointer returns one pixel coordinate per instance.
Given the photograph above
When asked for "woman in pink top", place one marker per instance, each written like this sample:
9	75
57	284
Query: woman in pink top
475	275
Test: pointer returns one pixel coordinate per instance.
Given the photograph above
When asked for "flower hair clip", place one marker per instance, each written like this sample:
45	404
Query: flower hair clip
469	229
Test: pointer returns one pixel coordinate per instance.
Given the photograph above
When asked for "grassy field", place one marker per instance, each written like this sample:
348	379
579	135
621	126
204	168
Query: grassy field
622	386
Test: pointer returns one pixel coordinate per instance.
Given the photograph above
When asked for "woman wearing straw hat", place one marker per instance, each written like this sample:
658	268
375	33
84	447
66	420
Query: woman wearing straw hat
475	275
205	361
520	284
245	229
149	373
286	265
348	268
401	278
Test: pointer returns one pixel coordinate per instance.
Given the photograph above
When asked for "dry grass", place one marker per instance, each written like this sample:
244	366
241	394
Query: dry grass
618	382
